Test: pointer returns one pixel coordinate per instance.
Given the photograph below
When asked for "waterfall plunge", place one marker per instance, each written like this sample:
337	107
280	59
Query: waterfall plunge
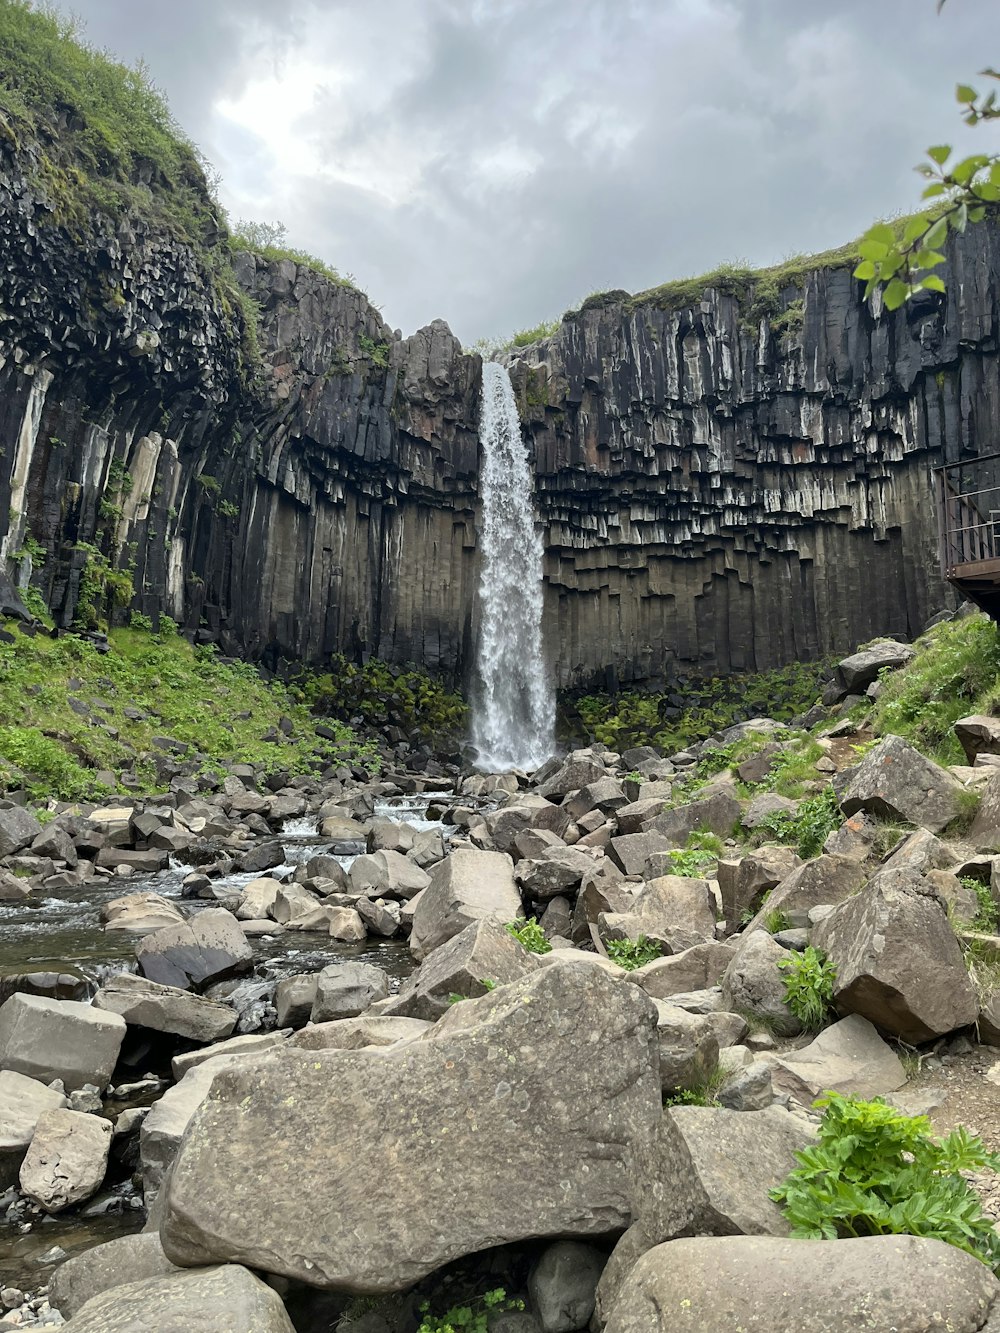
513	717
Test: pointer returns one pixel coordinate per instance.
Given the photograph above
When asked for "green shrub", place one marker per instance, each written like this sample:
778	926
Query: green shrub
631	954
808	828
530	934
703	849
809	982
878	1172
470	1318
987	917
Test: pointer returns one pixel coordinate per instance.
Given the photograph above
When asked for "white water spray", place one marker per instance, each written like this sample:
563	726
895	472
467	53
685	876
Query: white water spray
513	717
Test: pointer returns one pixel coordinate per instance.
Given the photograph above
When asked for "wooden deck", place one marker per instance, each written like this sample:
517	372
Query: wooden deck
968	503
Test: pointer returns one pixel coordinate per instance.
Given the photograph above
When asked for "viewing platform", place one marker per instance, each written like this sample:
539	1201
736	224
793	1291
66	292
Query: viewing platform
968	501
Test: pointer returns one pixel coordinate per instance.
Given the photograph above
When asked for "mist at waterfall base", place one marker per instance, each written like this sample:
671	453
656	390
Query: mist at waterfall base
513	714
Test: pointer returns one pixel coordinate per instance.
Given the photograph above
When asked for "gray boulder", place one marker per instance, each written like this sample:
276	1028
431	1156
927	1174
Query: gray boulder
576	772
753	985
743	883
140	912
826	1286
353	1034
345	990
895	781
985	831
18	829
857	672
467	886
22	1101
228	1299
978	734
387	872
692	969
501	1077
88	1273
563	1285
849	1057
717	812
484	952
676	912
708	1171
66	1159
294	998
555	870
897	960
48	1039
689	1048
144	1003
631	851
825	879
210	947
252	1042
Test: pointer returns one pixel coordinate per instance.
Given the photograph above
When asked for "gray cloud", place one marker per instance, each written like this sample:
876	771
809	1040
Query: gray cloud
493	161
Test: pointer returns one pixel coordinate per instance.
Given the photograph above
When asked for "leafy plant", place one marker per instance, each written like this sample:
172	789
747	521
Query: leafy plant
987	917
470	1318
530	934
776	920
809	982
703	849
878	1172
631	954
808	828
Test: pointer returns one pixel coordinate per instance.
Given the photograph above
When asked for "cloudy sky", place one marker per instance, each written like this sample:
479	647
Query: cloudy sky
492	162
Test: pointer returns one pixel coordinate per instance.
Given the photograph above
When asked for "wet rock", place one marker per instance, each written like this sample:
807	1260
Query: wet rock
211	1300
262	856
66	1159
897	960
468	886
147	1004
563	1285
294	998
345	990
48	1039
895	781
140	912
209	947
143	863
258	899
825	1286
564	1126
388	873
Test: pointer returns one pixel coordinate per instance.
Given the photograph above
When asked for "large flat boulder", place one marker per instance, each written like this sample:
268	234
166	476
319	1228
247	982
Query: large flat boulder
141	913
857	672
707	1172
848	1057
978	734
144	1003
210	947
212	1300
692	969
897	960
556	1077
347	989
164	1126
387	872
48	1039
467	886
825	879
895	781
712	1284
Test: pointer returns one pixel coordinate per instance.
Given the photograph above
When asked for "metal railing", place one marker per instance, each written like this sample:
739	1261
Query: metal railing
968	501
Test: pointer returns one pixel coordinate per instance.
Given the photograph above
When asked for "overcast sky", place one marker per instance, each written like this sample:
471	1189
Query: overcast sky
492	162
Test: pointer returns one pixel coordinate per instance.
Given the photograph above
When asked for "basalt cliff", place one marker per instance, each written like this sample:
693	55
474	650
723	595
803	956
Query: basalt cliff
724	484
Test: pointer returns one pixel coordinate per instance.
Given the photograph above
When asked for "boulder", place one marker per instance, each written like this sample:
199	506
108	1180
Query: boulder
66	1159
895	781
499	1079
48	1039
18	829
89	1272
743	883
378	917
675	912
752	985
292	903
484	952
707	1172
252	1043
747	1089
717	813
631	851
389	873
164	1126
691	969
857	672
985	831
897	960
556	870
849	1057
258	899
294	998
212	1300
353	1034
467	886
210	947
576	772
854	838
563	1285
346	925
144	1003
22	1101
823	1286
689	1048
978	734
345	990
596	896
921	851
140	912
762	807
825	879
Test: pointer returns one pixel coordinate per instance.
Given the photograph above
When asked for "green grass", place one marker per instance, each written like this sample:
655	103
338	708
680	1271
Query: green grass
185	693
269	241
956	671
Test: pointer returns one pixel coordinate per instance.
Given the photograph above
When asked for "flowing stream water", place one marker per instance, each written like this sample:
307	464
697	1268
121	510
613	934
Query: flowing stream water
514	712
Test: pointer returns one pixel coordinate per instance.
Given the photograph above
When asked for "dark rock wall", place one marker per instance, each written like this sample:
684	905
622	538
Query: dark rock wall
715	496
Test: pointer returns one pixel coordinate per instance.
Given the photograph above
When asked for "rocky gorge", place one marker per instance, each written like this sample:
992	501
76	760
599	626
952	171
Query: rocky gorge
375	995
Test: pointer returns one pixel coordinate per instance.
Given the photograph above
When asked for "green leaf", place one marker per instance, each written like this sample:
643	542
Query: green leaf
869	249
928	258
933	283
881	231
895	294
937	234
866	269
914	228
940	153
932	191
965	94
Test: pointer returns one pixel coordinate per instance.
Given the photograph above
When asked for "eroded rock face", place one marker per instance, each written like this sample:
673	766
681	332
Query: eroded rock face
500	1077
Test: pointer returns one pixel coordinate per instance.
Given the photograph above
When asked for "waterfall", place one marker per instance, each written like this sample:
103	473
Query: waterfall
513	715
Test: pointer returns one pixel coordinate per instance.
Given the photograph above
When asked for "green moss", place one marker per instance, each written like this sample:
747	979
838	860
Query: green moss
222	710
